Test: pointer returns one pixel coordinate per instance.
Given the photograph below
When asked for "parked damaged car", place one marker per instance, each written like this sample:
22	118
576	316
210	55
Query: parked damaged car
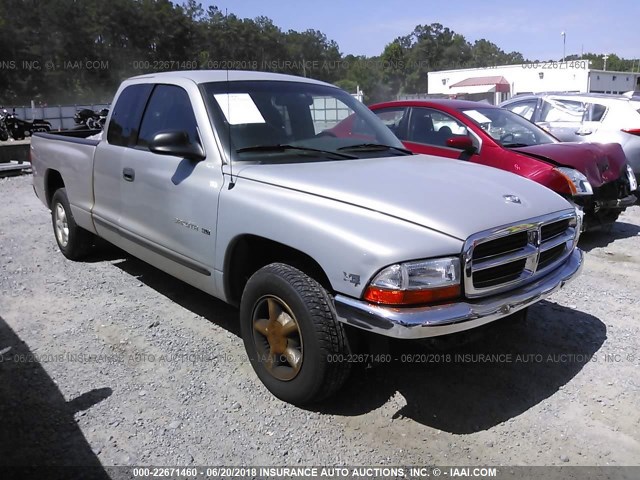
596	177
585	117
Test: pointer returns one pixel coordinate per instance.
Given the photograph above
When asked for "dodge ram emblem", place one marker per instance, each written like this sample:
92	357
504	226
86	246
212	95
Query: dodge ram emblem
511	199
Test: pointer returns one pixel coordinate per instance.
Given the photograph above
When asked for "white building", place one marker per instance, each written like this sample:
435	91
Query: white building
496	84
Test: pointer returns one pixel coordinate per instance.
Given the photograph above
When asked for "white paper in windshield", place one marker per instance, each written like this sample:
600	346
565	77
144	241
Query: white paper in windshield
477	116
239	108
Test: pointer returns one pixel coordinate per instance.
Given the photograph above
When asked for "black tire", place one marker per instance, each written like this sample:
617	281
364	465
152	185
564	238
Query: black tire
603	219
74	242
4	135
319	341
608	216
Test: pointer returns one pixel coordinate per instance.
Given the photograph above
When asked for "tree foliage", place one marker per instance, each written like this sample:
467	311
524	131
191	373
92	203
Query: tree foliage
75	51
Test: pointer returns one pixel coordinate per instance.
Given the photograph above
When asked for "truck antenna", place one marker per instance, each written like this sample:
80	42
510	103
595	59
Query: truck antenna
226	22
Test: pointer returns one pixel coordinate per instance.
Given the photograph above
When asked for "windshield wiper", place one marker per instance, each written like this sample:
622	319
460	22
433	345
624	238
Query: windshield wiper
515	145
375	147
283	147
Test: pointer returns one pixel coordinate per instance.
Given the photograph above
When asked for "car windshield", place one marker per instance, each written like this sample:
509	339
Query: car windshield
274	121
508	128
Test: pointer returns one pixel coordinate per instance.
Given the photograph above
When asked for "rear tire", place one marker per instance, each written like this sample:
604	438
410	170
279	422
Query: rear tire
294	341
74	242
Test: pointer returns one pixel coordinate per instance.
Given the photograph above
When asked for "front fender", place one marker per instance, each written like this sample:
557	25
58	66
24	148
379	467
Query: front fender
350	243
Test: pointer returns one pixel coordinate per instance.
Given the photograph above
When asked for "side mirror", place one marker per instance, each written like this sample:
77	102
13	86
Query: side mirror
176	143
461	143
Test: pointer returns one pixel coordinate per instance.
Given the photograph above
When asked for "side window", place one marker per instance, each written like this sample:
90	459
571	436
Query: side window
394	119
597	112
557	110
169	108
433	127
524	109
125	119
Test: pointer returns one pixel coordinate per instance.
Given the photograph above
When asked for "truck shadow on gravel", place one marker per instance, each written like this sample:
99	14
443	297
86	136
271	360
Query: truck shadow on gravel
194	300
38	426
602	238
504	369
470	382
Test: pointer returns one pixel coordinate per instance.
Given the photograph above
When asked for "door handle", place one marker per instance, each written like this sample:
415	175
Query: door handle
129	174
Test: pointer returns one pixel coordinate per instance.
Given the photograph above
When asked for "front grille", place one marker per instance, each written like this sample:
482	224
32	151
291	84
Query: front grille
501	245
497	275
504	258
553	229
549	256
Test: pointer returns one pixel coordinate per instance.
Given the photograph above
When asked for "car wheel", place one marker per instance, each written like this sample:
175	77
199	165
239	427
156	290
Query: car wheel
74	242
294	341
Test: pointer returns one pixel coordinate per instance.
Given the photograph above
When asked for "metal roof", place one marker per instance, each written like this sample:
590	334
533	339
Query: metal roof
500	83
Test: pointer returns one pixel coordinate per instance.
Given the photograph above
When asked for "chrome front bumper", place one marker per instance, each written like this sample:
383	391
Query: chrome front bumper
425	322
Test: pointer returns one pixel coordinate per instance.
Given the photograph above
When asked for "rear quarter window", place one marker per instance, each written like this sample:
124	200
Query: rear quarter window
127	114
597	112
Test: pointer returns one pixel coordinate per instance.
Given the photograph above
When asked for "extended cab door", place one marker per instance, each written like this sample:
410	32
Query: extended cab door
169	203
121	135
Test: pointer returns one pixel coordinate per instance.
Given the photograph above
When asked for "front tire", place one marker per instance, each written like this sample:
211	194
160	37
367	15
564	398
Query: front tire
74	242
604	218
294	341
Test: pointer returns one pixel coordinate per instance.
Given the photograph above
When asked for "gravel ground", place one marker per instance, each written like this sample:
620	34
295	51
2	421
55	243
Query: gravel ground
111	362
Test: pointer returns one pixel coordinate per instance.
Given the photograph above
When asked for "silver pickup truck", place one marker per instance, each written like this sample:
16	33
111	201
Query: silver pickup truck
235	183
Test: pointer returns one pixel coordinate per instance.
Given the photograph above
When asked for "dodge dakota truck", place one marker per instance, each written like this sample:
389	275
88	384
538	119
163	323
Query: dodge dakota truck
234	183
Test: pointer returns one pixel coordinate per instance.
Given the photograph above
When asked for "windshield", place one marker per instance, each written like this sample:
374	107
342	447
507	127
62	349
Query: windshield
508	128
274	120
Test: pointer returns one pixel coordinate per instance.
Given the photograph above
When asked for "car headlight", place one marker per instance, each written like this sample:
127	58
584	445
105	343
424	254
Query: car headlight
633	182
578	183
419	282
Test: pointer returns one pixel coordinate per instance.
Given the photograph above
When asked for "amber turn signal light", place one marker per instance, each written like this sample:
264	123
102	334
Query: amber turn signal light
385	296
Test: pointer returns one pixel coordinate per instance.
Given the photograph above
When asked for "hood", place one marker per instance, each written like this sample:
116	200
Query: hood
600	163
450	196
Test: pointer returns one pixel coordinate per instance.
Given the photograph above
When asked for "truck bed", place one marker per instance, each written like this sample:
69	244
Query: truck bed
76	136
69	155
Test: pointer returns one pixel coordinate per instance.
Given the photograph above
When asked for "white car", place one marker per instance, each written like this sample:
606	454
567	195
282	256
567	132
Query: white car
585	117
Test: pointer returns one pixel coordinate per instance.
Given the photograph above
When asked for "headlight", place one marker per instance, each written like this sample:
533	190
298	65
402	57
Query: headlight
578	183
633	182
419	282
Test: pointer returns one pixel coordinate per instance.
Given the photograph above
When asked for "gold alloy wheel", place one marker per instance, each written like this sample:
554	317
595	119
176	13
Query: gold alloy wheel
277	338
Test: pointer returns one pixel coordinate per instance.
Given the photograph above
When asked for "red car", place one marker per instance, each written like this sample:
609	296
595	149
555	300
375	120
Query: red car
594	176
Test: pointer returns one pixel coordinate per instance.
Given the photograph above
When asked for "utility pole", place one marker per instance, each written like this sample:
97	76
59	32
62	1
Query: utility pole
564	45
604	57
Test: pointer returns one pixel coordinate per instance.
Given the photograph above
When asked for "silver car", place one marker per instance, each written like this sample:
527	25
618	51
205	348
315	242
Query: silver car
588	117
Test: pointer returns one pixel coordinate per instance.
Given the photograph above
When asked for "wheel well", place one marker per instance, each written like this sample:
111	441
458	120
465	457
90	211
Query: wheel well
249	253
53	181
